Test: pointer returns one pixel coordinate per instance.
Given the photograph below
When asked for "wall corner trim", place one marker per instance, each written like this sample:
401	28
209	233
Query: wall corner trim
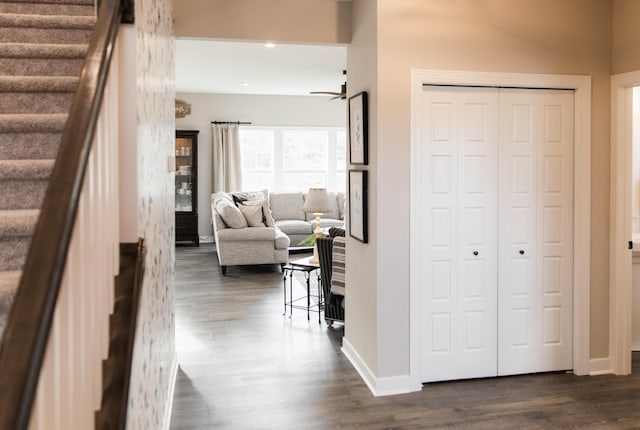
386	386
173	374
600	366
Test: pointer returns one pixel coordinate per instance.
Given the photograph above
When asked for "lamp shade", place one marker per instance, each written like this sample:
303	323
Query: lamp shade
317	201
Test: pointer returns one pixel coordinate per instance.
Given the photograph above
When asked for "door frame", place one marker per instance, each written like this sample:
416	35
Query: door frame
620	222
582	198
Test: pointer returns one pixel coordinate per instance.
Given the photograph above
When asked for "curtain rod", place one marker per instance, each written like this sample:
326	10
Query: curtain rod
231	122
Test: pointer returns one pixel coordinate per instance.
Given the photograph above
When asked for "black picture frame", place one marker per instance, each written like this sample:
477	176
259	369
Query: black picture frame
358	205
359	129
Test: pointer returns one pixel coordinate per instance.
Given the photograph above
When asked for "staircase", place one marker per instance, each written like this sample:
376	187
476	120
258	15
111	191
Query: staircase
42	49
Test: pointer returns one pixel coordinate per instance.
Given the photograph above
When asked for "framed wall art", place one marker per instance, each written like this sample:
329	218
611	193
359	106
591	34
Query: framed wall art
358	129
358	223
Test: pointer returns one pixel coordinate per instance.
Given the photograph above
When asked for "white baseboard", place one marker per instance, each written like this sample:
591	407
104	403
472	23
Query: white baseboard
379	386
600	366
206	239
173	374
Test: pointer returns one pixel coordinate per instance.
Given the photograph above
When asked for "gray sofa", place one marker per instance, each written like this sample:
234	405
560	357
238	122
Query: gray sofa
259	227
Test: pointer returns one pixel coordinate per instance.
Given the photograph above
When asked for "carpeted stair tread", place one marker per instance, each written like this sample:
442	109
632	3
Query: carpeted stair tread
18	222
24	102
9	281
38	84
67	22
25	169
16	123
42	50
42	8
28	146
79	2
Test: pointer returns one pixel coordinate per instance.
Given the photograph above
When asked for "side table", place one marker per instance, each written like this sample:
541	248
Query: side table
304	266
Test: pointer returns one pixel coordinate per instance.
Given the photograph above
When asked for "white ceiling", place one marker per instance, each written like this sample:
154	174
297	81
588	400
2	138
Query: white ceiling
206	66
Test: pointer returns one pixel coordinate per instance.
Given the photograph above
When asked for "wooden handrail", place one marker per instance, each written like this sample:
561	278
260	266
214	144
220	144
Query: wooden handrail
26	335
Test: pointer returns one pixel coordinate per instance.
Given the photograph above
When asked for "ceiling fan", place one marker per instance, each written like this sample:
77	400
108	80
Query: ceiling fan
341	95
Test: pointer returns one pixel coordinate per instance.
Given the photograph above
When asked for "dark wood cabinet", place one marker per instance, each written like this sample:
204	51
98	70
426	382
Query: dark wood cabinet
186	186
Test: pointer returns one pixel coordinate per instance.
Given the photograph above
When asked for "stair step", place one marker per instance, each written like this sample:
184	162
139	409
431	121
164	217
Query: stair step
38	84
31	59
45	50
9	281
23	184
25	169
42	8
13	252
34	102
26	28
36	94
29	146
18	123
18	222
80	2
31	21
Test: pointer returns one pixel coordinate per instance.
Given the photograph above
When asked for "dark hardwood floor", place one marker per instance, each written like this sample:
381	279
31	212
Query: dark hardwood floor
245	366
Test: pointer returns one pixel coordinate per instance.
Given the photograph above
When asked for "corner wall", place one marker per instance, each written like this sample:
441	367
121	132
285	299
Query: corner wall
361	312
154	358
527	36
626	37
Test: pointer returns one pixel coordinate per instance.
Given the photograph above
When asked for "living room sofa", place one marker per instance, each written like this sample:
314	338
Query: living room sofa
259	227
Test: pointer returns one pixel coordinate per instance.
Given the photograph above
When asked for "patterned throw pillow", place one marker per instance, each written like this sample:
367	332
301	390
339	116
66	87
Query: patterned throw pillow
338	266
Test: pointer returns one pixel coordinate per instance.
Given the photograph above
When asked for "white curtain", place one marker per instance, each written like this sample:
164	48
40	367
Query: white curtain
227	171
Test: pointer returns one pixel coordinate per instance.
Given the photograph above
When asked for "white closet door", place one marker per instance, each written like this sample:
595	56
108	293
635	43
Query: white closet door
458	204
536	237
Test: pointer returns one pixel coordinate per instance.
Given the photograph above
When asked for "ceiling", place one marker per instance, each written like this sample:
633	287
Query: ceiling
206	66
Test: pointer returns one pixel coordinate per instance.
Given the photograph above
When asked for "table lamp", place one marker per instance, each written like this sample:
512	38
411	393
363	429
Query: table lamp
316	202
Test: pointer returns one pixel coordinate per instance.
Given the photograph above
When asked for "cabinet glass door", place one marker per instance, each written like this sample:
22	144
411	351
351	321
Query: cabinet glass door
184	175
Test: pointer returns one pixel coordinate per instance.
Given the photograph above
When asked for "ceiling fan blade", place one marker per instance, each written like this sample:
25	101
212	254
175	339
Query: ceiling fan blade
329	93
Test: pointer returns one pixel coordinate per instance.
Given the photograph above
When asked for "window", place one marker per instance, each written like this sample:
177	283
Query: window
257	159
293	158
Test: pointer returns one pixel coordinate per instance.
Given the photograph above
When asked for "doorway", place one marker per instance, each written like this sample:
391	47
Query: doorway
635	219
621	222
581	210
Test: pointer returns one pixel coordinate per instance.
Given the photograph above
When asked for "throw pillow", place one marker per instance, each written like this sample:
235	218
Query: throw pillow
253	215
238	199
230	214
267	217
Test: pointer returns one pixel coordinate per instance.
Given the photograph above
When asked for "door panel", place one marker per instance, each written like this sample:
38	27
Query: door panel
459	325
537	125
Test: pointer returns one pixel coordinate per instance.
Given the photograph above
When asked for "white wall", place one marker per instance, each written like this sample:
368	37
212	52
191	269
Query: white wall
257	109
154	361
361	312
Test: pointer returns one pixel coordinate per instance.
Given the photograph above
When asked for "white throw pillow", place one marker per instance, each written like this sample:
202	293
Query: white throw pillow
266	210
253	215
230	214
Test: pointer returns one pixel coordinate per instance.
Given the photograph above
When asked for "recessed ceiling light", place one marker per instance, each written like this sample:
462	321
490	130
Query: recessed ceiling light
269	45
245	84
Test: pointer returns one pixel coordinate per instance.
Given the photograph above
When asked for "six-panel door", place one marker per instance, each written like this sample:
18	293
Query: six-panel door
496	199
459	202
